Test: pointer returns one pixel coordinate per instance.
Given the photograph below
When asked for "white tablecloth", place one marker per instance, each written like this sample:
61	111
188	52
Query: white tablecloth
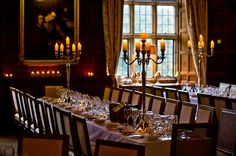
152	148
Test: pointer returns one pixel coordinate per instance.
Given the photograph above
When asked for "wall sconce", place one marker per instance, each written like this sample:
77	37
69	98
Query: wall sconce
90	74
8	75
45	74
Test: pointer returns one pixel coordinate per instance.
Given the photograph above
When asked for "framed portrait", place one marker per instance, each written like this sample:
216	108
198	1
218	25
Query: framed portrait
44	23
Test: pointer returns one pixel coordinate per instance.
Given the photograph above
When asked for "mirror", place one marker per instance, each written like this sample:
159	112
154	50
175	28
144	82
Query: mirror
44	23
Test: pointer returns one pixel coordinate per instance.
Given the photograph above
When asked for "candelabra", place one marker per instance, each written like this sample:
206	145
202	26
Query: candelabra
145	50
71	55
201	53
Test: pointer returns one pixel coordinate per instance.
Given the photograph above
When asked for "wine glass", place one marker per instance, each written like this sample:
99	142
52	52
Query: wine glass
134	115
127	114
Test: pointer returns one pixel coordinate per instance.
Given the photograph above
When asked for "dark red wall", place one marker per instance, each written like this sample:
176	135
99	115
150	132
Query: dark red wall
92	58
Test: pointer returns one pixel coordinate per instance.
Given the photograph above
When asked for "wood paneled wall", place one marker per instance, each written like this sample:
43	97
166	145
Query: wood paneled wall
186	67
221	28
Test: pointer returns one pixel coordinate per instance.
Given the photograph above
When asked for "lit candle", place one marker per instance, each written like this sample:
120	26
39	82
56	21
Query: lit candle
202	44
61	48
189	44
143	36
67	40
148	46
56	47
137	44
79	47
162	44
212	44
125	45
73	48
200	38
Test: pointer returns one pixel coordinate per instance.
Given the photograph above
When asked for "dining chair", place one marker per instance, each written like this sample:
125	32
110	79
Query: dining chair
148	101
126	95
159	91
205	114
149	89
194	142
15	103
114	148
226	135
232	104
232	91
183	95
157	105
42	145
82	136
24	109
224	88
115	94
107	93
50	118
136	98
32	121
204	99
65	127
171	107
41	116
187	112
219	102
171	93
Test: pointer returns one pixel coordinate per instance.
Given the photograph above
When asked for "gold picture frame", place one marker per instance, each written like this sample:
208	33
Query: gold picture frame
37	40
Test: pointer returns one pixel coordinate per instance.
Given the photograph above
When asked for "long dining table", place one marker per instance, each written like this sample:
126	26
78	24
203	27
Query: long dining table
154	147
98	130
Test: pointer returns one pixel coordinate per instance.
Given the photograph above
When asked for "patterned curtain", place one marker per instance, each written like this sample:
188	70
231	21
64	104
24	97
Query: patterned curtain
197	23
112	23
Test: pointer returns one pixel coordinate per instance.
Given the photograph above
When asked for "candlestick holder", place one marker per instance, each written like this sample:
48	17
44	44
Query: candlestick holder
201	52
71	55
144	60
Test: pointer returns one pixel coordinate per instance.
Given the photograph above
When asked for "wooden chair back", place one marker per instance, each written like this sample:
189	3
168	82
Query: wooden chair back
201	142
187	112
183	95
158	104
219	102
82	136
227	129
113	148
159	91
171	107
205	114
171	93
204	99
39	145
